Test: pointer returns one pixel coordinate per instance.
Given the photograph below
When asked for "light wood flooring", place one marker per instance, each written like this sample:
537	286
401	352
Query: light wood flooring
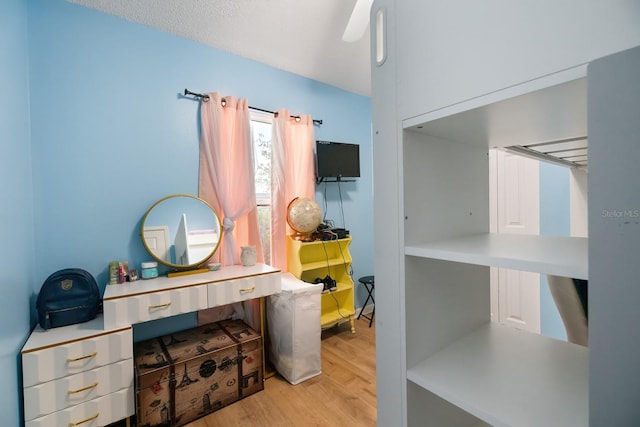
344	394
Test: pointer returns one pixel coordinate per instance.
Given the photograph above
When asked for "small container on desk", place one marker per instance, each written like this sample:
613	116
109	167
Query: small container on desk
149	270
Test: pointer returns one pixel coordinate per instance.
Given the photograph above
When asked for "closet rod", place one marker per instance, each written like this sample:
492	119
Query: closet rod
205	98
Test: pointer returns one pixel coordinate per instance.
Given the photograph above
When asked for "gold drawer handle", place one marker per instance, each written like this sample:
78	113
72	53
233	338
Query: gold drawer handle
94	385
151	307
247	290
88	356
85	421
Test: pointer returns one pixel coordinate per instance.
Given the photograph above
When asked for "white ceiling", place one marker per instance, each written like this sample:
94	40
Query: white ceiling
300	36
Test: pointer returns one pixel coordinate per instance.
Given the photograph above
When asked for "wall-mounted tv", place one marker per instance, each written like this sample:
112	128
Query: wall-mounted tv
337	160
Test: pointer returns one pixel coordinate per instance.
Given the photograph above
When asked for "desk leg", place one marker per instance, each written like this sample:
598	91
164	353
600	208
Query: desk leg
266	368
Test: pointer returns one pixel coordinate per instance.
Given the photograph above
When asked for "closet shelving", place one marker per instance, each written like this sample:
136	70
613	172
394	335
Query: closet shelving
508	377
485	372
449	87
558	255
571	152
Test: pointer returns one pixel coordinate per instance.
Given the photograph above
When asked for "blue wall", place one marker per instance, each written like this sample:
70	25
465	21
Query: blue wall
555	221
17	284
108	134
111	134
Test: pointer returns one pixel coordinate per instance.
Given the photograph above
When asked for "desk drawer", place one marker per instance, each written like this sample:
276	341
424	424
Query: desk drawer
243	288
97	412
52	396
73	357
141	308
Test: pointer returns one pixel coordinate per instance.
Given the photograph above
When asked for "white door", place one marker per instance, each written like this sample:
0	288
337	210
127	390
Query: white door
515	208
157	240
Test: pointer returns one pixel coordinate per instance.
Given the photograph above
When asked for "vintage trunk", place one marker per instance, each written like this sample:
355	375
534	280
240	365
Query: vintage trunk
205	360
250	353
186	375
153	384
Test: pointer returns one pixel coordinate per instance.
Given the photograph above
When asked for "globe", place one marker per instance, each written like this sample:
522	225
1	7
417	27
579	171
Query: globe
304	216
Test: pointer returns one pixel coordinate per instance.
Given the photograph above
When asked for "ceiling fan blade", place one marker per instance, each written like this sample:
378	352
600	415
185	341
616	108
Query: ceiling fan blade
358	21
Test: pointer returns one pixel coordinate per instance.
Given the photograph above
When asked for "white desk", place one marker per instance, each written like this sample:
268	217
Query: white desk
83	374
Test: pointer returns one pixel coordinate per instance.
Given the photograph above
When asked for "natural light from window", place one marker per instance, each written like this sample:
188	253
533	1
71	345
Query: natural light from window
261	132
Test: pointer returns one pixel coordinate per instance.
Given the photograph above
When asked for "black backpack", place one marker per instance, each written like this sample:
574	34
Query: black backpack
68	296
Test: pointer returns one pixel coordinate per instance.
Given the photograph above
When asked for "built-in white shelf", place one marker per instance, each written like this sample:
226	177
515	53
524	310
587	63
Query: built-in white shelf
508	377
557	255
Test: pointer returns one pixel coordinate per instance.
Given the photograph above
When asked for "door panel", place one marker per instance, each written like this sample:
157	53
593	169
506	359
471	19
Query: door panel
515	210
157	239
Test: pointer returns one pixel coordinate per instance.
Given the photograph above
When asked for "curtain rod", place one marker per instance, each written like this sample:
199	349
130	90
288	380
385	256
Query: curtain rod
205	98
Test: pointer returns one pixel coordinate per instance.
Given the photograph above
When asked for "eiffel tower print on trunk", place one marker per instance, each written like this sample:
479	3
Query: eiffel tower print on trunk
191	373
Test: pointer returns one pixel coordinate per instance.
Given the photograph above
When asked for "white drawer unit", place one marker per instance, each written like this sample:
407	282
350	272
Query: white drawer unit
97	412
72	373
64	392
242	289
74	355
138	308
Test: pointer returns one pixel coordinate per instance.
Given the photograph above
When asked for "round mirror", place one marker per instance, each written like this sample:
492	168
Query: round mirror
181	231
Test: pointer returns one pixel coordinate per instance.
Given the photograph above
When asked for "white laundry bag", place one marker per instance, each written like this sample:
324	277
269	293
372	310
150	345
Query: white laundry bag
294	329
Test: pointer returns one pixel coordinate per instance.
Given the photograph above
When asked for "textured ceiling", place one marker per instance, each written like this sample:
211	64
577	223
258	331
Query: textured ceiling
300	36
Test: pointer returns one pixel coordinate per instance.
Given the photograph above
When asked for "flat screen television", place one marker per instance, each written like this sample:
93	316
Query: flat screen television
337	160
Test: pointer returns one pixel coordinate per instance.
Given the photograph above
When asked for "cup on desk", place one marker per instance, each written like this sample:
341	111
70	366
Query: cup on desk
248	255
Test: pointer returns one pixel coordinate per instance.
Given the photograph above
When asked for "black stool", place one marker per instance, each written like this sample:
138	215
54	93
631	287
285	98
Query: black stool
369	284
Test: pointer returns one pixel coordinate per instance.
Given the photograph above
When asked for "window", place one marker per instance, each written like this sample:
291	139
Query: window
261	132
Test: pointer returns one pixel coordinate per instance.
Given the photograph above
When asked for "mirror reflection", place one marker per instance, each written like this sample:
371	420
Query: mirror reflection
181	231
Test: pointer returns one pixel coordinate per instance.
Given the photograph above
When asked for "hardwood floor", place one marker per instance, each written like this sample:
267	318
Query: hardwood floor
344	394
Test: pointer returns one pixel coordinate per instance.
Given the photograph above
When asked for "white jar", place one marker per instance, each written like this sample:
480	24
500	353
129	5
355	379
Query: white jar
248	256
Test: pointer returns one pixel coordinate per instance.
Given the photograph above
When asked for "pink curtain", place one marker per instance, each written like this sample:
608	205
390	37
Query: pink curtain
292	175
226	179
